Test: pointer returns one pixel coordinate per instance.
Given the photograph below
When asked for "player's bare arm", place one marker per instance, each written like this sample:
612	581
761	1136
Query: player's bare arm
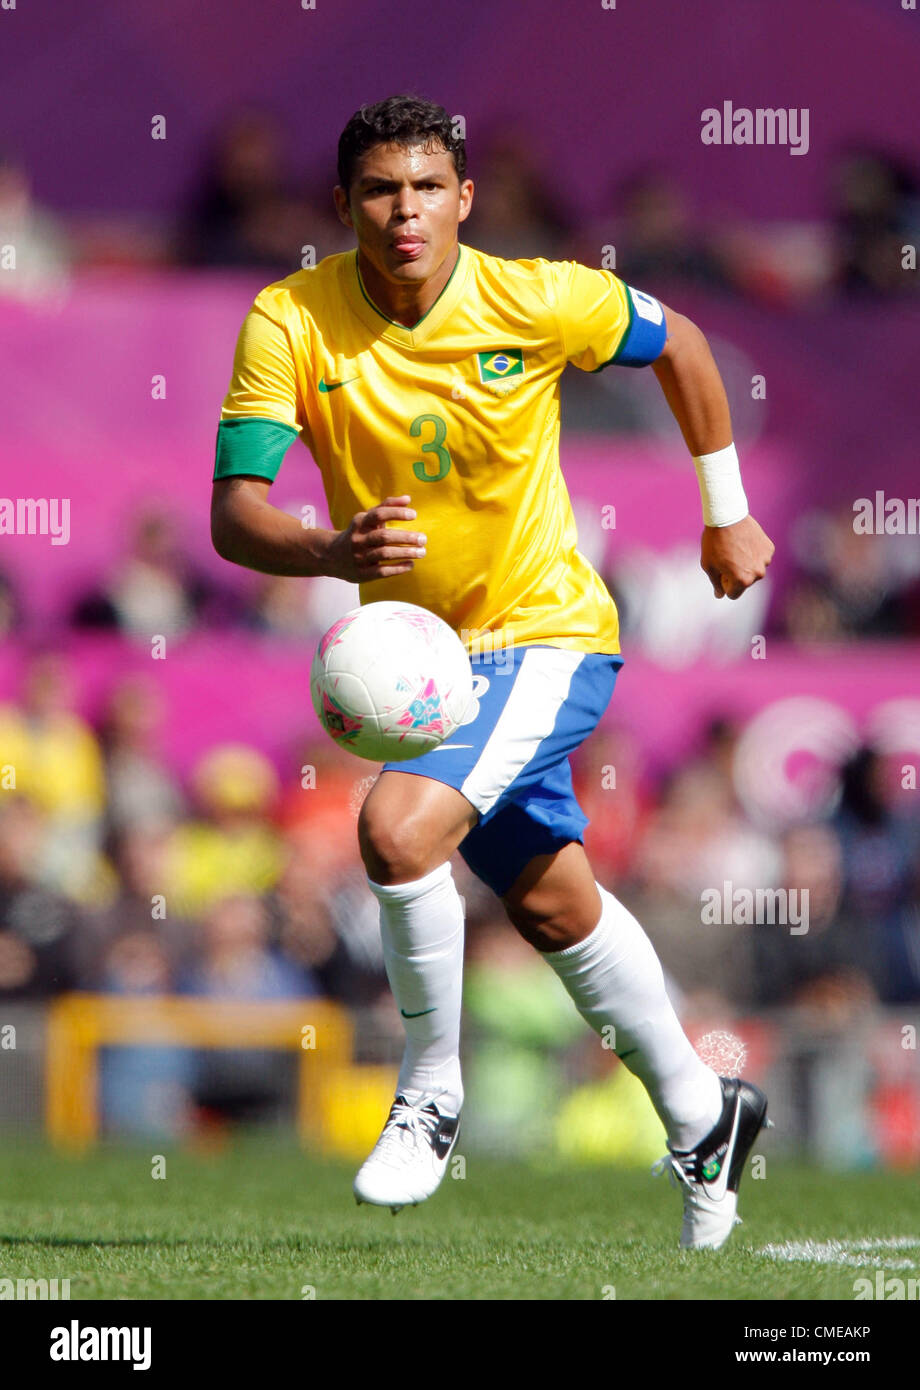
737	555
247	530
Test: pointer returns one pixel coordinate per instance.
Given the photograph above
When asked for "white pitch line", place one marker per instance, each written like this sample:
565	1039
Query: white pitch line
850	1254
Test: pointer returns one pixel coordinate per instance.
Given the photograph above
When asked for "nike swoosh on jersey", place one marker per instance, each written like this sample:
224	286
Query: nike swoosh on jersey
718	1189
421	1013
327	386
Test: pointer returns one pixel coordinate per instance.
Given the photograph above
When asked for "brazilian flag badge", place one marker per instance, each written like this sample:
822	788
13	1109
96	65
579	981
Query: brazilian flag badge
502	371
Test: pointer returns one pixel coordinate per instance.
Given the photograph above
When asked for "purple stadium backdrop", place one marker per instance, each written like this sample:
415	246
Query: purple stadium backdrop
498	63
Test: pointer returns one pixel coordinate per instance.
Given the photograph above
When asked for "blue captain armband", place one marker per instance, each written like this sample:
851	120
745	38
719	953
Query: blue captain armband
644	340
252	446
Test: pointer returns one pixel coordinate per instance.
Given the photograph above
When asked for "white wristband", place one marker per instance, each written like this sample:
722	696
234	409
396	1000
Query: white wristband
721	489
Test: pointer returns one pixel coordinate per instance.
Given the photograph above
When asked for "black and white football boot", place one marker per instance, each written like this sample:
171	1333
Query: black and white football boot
710	1173
410	1158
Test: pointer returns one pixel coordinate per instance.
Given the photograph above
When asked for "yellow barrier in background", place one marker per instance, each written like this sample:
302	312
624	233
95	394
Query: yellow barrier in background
79	1024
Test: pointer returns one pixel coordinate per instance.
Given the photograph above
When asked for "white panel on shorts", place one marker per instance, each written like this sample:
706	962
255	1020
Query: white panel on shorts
540	688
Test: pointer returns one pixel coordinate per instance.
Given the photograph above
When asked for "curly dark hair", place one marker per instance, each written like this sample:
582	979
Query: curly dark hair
400	120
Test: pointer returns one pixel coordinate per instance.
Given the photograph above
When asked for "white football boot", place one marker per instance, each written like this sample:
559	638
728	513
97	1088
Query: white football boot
410	1158
710	1173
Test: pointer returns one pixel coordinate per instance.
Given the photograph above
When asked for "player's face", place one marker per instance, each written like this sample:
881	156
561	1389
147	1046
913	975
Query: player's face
405	205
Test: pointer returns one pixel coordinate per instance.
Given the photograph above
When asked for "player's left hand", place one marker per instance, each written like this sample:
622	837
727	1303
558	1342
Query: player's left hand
735	557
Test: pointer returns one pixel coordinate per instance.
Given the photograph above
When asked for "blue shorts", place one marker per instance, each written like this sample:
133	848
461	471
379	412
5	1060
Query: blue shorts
533	706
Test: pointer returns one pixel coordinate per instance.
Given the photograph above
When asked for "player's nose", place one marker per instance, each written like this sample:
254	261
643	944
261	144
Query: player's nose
406	206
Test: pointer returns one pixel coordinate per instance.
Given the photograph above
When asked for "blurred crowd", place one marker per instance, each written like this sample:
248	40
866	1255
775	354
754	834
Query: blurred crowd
247	207
848	586
243	881
840	587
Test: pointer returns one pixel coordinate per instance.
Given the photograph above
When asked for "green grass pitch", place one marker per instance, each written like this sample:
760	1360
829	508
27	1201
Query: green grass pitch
261	1220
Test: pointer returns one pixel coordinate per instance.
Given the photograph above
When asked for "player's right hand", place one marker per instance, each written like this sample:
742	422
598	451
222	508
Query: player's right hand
369	549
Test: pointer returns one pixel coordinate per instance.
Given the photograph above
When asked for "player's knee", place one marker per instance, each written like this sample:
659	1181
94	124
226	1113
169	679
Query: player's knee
544	926
393	851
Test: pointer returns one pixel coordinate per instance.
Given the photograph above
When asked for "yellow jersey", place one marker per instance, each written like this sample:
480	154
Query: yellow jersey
460	411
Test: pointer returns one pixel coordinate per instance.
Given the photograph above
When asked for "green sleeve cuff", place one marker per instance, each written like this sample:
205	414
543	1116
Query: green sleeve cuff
251	446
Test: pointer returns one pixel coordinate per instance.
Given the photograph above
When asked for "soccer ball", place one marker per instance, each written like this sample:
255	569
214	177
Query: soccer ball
390	681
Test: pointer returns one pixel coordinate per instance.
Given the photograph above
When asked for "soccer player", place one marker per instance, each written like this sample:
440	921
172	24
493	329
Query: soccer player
423	376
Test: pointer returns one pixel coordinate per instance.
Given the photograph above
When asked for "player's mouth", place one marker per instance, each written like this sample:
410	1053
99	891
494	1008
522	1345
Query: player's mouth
408	248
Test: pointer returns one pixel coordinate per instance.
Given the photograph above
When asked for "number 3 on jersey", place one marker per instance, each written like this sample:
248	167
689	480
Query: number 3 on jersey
435	445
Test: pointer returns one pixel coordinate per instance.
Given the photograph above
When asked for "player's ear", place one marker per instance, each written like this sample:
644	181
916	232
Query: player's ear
466	199
341	205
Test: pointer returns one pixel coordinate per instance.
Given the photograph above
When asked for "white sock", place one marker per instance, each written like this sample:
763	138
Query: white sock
421	926
616	979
